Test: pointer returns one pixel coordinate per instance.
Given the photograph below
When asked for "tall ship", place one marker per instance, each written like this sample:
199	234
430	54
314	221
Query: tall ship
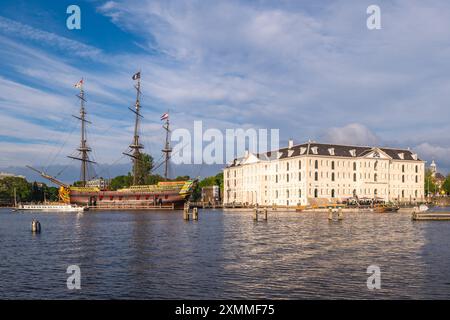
167	194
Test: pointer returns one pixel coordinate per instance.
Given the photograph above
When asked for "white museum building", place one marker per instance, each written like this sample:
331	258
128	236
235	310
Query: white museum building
312	172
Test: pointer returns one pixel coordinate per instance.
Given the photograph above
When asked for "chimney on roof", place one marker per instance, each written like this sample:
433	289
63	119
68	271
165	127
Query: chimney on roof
290	144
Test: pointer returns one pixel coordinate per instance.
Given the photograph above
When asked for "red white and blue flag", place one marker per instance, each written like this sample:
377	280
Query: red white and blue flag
165	116
79	84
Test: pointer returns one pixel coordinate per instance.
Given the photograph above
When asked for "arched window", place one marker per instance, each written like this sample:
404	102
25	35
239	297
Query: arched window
375	166
316	164
315	193
332	193
354	166
316	176
332	165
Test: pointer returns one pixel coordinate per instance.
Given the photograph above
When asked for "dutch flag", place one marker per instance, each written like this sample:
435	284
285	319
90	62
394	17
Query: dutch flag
165	116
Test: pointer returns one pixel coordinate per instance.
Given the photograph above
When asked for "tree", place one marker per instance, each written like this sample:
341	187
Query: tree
144	166
446	185
23	188
120	182
430	183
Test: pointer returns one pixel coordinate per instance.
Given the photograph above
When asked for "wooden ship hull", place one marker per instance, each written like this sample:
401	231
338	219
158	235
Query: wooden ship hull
164	194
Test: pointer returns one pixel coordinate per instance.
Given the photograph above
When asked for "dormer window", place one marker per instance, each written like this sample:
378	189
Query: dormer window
331	151
353	152
401	155
302	150
290	153
279	154
414	156
314	150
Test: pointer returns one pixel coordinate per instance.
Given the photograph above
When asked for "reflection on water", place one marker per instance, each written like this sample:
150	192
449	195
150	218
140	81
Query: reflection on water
223	255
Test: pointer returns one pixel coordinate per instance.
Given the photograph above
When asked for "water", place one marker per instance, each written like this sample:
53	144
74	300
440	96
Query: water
157	255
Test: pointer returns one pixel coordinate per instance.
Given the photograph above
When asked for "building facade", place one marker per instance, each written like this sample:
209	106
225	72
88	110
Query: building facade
314	172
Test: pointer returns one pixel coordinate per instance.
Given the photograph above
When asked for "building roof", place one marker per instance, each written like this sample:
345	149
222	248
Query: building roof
331	150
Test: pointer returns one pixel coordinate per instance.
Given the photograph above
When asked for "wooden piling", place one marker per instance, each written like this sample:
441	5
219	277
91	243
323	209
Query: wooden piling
195	213
330	214
265	214
340	214
255	214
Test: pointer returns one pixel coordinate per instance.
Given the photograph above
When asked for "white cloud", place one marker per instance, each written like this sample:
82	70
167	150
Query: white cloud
353	134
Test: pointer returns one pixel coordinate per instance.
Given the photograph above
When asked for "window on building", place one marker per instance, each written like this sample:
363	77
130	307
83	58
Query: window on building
299	176
375	166
299	164
287	166
316	193
375	177
332	176
403	178
316	164
316	176
375	192
332	193
287	194
403	168
287	177
403	193
354	177
276	194
332	165
354	193
299	193
276	178
354	166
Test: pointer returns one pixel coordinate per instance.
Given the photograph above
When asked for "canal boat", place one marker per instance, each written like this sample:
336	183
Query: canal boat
51	207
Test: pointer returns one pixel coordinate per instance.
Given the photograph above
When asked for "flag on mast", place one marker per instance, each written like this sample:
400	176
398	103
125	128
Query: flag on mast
165	116
137	75
79	84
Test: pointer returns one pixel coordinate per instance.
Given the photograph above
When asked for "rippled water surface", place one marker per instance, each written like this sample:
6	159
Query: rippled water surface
149	255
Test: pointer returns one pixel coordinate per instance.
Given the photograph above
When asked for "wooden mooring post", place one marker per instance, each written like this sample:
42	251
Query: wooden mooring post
257	212
195	213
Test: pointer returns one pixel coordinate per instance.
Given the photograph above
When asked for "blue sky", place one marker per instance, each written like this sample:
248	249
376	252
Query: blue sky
310	68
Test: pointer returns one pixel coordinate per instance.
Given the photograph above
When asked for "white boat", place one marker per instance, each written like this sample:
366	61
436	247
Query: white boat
51	207
423	208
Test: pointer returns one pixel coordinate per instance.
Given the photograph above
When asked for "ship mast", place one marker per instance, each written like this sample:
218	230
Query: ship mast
84	149
167	149
136	146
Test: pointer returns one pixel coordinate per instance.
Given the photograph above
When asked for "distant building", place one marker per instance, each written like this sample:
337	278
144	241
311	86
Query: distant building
438	178
211	194
6	174
312	173
100	183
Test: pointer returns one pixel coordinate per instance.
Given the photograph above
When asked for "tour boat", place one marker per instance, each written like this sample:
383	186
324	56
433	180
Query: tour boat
51	207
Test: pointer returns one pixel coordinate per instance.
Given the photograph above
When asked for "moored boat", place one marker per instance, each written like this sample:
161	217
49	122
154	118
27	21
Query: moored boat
59	207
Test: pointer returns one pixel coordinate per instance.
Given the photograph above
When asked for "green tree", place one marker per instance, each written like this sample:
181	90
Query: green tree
120	182
446	185
144	166
22	186
430	184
